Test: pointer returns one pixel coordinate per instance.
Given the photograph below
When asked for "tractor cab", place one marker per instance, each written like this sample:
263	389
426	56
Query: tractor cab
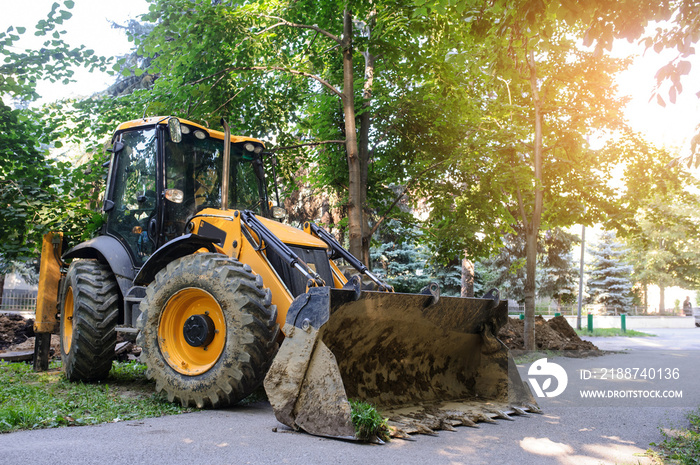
164	171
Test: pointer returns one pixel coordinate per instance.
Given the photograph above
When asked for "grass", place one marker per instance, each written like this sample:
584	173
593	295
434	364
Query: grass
30	400
369	424
611	332
680	446
522	357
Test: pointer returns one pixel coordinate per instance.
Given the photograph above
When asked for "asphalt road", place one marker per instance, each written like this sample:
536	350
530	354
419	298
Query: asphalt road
570	431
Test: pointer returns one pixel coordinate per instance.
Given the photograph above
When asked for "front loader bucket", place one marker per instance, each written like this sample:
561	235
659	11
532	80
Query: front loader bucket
425	362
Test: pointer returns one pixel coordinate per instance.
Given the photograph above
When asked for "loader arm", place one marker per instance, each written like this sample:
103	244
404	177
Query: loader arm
338	251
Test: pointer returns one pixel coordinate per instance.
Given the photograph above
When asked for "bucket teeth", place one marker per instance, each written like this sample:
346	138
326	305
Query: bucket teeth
484	418
502	415
518	411
533	408
460	418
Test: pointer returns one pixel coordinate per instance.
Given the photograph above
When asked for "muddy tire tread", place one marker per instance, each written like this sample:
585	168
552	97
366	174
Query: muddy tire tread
95	313
235	375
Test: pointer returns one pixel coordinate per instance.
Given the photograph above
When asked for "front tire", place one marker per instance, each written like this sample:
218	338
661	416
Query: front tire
207	331
89	312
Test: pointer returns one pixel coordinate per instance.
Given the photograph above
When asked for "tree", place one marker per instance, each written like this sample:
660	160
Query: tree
302	95
546	93
609	282
556	271
37	193
408	265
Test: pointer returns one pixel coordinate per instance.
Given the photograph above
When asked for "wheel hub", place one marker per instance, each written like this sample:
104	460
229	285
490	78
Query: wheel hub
199	330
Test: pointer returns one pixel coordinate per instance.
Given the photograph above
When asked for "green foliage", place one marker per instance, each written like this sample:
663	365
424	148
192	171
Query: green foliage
557	272
408	265
368	423
38	193
54	61
680	445
663	236
30	400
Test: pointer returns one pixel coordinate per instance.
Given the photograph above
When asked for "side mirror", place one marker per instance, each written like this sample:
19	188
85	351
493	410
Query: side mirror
118	146
175	129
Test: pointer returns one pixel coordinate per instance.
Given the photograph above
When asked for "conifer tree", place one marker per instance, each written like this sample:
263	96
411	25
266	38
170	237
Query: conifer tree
609	279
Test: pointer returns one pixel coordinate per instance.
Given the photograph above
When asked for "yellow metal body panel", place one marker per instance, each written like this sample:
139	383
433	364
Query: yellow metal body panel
137	123
49	277
291	235
237	246
229	221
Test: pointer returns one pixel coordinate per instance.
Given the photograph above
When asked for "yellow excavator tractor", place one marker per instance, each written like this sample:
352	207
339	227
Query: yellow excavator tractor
192	258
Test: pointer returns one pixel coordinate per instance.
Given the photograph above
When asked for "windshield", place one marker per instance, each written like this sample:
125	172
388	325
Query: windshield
194	167
134	192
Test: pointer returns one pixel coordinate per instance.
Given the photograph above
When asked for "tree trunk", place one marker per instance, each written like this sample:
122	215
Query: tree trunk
529	290
467	277
662	298
2	287
354	168
533	228
364	152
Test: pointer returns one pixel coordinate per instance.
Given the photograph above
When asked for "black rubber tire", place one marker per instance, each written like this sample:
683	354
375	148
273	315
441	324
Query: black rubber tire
95	310
251	330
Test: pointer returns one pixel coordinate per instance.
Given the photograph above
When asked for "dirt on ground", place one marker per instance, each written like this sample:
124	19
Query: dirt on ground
555	334
14	330
17	334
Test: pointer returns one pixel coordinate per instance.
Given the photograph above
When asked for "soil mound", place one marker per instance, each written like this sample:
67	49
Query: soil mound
555	334
14	330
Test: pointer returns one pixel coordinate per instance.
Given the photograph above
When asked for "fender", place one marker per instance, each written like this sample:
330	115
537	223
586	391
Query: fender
110	250
177	248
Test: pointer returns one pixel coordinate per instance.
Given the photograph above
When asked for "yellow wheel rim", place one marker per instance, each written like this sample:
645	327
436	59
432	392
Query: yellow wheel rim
67	320
177	352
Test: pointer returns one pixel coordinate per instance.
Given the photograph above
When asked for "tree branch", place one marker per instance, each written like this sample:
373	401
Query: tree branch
400	196
323	82
308	144
228	101
284	22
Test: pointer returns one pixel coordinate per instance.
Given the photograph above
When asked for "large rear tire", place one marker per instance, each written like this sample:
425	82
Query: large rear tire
89	312
208	330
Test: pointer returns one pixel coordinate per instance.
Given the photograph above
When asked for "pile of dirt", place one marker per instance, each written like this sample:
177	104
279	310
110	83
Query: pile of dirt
555	334
14	330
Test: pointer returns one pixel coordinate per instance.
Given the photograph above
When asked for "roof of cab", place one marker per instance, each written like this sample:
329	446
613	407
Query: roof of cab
136	123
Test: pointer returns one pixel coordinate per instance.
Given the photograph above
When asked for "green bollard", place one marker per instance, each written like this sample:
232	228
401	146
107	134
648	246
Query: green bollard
623	322
590	322
556	314
522	316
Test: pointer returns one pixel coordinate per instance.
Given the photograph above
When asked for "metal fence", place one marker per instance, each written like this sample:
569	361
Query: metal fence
14	300
553	309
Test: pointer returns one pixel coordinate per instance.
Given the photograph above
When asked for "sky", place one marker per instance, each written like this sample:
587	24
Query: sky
90	25
672	126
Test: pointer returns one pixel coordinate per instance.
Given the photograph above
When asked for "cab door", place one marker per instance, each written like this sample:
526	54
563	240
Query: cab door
133	199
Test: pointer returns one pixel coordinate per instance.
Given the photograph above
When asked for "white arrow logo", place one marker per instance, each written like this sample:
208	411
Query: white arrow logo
551	370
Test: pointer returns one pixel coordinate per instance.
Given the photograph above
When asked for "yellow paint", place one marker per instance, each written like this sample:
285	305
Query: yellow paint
243	251
229	221
67	320
291	235
163	120
49	277
339	279
181	356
